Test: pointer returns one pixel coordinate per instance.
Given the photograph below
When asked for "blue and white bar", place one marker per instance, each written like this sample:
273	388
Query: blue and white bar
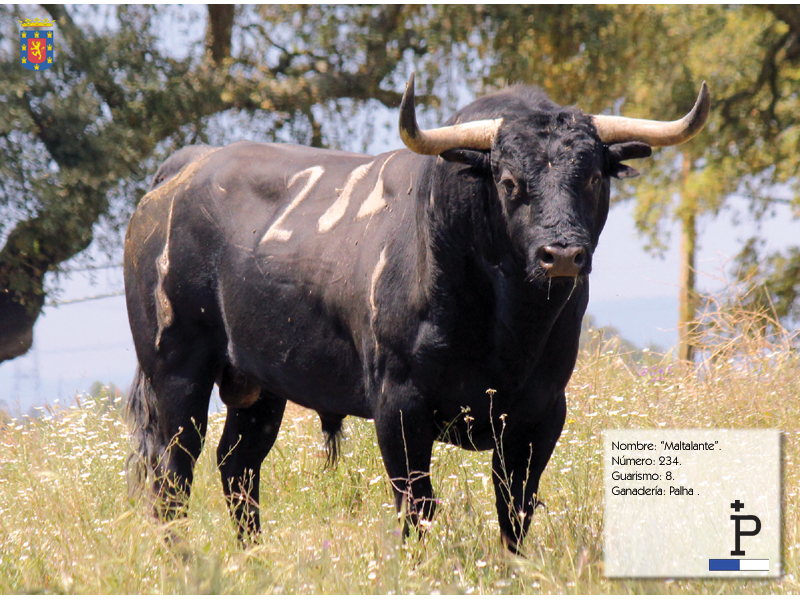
738	564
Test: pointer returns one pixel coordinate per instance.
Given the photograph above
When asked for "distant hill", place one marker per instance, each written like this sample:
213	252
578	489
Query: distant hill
645	322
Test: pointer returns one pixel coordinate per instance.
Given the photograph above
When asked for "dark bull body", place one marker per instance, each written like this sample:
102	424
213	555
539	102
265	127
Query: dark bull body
399	288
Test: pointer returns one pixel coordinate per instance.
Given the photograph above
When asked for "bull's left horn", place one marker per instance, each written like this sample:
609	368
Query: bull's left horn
613	130
476	135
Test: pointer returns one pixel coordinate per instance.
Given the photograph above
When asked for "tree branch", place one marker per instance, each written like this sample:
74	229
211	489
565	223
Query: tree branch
767	75
112	94
788	13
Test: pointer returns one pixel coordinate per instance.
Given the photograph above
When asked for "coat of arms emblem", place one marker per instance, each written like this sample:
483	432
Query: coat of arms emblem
36	44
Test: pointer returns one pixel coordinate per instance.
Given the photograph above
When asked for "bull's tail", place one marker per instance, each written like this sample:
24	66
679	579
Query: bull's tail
332	428
141	414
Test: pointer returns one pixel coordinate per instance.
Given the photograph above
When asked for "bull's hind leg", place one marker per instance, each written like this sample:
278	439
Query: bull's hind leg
170	412
405	437
248	437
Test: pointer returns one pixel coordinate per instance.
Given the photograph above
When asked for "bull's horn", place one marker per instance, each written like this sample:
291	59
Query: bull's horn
613	130
476	135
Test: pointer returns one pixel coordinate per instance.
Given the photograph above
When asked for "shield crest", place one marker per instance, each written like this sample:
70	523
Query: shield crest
36	44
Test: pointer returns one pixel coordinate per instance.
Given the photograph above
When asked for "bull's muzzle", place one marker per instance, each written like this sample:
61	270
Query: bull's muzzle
558	261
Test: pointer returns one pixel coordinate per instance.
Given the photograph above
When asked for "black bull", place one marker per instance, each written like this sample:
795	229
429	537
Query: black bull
401	288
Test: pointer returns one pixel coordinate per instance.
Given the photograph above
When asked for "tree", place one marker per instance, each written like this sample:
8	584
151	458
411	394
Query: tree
778	273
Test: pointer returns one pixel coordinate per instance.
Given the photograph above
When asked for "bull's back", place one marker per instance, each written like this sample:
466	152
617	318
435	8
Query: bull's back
272	251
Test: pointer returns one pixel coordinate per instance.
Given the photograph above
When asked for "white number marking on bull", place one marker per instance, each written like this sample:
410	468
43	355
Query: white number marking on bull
373	288
375	202
282	235
334	214
164	313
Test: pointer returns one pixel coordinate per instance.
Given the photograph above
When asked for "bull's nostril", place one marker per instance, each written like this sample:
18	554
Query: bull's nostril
547	258
579	258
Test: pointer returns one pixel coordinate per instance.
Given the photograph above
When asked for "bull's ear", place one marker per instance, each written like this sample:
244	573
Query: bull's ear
629	150
476	159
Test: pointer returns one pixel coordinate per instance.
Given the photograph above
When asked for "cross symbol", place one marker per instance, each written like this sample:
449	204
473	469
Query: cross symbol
737	506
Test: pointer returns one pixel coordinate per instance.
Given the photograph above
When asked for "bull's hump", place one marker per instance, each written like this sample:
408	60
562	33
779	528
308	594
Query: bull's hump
182	178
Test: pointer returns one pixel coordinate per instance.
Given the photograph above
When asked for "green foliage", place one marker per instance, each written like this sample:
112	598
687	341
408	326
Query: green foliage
78	137
648	61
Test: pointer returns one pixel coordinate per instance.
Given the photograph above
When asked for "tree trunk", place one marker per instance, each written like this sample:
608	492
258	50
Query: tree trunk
220	28
16	324
687	299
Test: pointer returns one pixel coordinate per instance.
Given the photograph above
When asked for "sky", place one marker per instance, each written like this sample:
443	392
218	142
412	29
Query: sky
77	344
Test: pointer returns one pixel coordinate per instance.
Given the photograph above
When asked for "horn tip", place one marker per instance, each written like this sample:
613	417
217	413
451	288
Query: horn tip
703	104
702	107
705	94
408	120
409	92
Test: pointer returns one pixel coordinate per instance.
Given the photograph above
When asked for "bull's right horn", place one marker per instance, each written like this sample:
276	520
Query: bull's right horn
613	130
475	135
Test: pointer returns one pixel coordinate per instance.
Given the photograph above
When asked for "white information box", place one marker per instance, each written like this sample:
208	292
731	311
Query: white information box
692	503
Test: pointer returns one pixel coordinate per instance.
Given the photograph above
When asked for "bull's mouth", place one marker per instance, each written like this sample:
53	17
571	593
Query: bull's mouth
538	276
561	283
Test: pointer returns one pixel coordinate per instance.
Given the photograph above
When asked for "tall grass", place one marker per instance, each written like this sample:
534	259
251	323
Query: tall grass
67	525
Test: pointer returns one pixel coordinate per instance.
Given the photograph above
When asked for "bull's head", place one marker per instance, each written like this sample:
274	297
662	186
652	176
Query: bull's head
551	169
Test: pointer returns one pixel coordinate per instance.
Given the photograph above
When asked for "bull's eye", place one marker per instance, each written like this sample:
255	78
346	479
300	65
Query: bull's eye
509	186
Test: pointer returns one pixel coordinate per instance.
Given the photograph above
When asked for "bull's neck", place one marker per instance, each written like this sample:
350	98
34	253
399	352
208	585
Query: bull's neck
454	219
469	272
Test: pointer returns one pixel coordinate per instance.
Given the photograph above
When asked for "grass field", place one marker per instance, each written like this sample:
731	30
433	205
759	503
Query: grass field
67	525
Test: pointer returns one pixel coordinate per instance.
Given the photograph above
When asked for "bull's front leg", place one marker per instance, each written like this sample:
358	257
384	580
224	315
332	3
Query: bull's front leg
520	456
405	429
